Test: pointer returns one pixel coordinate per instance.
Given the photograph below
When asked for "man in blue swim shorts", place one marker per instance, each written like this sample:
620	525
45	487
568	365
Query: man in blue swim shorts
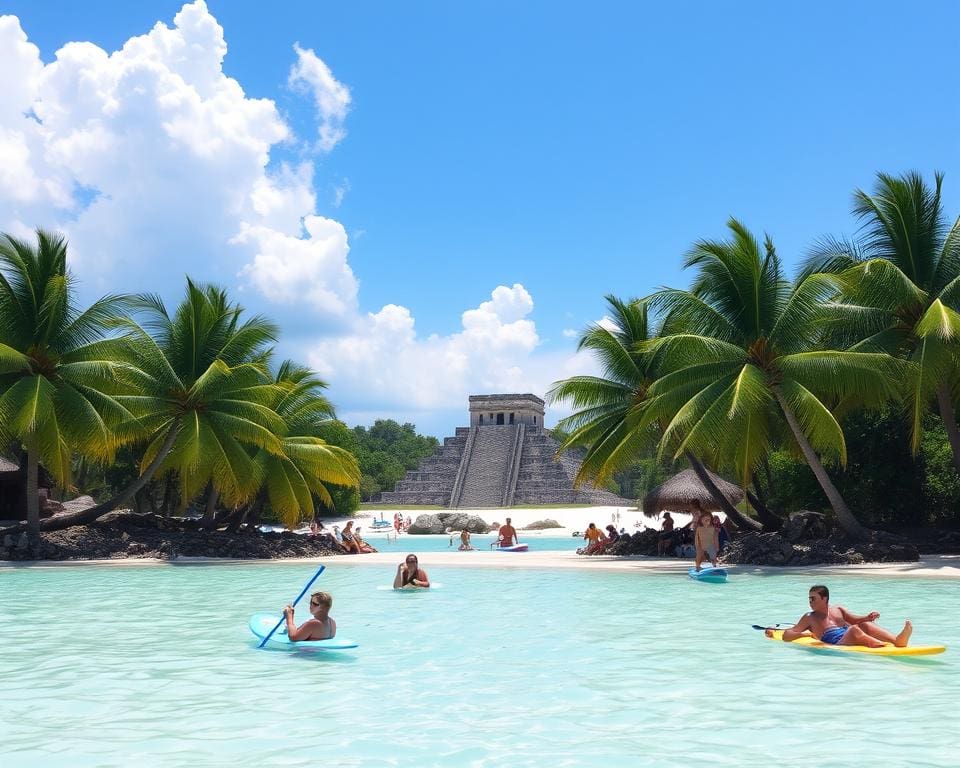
835	625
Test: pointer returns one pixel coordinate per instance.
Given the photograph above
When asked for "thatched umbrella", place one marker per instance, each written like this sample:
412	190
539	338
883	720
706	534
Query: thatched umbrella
685	493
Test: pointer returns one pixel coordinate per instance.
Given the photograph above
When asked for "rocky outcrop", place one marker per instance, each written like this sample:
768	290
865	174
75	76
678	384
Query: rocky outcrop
127	535
776	549
542	525
448	521
791	546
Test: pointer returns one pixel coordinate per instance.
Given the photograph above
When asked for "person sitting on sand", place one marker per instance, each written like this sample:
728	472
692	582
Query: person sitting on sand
705	540
592	535
465	545
361	544
348	539
320	627
612	537
507	535
835	625
410	575
665	540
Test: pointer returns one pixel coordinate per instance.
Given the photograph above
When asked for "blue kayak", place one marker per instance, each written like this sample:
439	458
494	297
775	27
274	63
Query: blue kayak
262	623
709	575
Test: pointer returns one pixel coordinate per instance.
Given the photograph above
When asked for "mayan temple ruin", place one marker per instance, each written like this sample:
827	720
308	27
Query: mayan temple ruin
504	458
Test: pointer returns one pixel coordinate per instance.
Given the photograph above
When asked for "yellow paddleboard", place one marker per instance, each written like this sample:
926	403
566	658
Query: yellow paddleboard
887	650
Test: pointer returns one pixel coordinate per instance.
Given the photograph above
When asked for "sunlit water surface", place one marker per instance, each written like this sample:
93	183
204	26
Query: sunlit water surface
155	666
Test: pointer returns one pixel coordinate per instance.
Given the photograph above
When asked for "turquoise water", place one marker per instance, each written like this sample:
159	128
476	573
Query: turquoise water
154	666
409	543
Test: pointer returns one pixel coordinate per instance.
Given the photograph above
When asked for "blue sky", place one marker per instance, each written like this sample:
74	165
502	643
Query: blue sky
433	197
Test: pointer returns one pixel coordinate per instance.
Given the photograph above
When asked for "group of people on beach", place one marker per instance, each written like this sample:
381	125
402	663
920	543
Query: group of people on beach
599	542
703	538
345	542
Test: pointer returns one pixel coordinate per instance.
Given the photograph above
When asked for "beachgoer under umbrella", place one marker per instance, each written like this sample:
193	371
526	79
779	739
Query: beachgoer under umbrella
665	539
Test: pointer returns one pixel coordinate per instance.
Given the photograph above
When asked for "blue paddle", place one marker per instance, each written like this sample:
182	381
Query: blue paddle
771	626
294	604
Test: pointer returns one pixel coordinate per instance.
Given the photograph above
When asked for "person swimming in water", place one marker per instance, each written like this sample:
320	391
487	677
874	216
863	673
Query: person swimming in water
835	625
410	575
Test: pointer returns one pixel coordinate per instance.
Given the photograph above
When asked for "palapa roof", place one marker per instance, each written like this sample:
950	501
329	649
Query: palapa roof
685	493
8	466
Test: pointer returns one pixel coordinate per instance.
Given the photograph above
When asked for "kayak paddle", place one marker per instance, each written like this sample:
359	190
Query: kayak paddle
294	604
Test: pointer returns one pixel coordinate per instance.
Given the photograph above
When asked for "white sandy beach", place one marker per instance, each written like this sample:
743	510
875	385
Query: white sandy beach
570	518
573	519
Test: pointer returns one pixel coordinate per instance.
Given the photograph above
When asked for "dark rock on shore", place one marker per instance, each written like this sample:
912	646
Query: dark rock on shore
126	535
455	521
804	540
836	549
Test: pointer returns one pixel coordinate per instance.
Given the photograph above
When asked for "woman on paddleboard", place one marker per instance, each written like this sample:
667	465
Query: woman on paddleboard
320	627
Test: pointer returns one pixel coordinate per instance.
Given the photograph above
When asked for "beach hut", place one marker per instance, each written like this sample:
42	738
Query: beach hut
685	493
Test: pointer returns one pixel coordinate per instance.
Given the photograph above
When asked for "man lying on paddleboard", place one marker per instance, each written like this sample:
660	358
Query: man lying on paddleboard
835	625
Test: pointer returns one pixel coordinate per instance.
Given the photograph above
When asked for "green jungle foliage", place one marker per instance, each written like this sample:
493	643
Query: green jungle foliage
889	487
384	452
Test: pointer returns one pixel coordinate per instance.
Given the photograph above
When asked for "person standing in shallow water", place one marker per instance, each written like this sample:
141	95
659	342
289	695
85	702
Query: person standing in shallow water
410	575
507	535
705	540
835	625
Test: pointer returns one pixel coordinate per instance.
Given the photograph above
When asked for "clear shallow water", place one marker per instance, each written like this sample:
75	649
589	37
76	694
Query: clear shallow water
408	543
155	666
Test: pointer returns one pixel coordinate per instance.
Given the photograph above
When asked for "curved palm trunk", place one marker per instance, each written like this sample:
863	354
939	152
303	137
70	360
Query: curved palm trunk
86	516
210	512
739	519
33	496
845	517
949	416
771	520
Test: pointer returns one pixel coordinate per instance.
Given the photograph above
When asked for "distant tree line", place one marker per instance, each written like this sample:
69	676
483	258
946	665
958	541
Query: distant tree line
384	453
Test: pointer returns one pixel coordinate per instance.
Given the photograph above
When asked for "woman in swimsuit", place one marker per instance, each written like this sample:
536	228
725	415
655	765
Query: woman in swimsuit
320	627
349	542
410	575
465	545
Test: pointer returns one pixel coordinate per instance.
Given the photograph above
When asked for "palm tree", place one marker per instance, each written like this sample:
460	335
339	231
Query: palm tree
901	290
610	406
743	350
203	395
58	374
299	471
607	406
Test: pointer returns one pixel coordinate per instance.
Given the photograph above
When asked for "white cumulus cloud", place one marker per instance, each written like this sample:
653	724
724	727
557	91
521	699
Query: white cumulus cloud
156	164
383	361
331	98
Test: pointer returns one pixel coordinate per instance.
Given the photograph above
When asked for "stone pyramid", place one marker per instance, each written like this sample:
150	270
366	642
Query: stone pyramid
504	458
